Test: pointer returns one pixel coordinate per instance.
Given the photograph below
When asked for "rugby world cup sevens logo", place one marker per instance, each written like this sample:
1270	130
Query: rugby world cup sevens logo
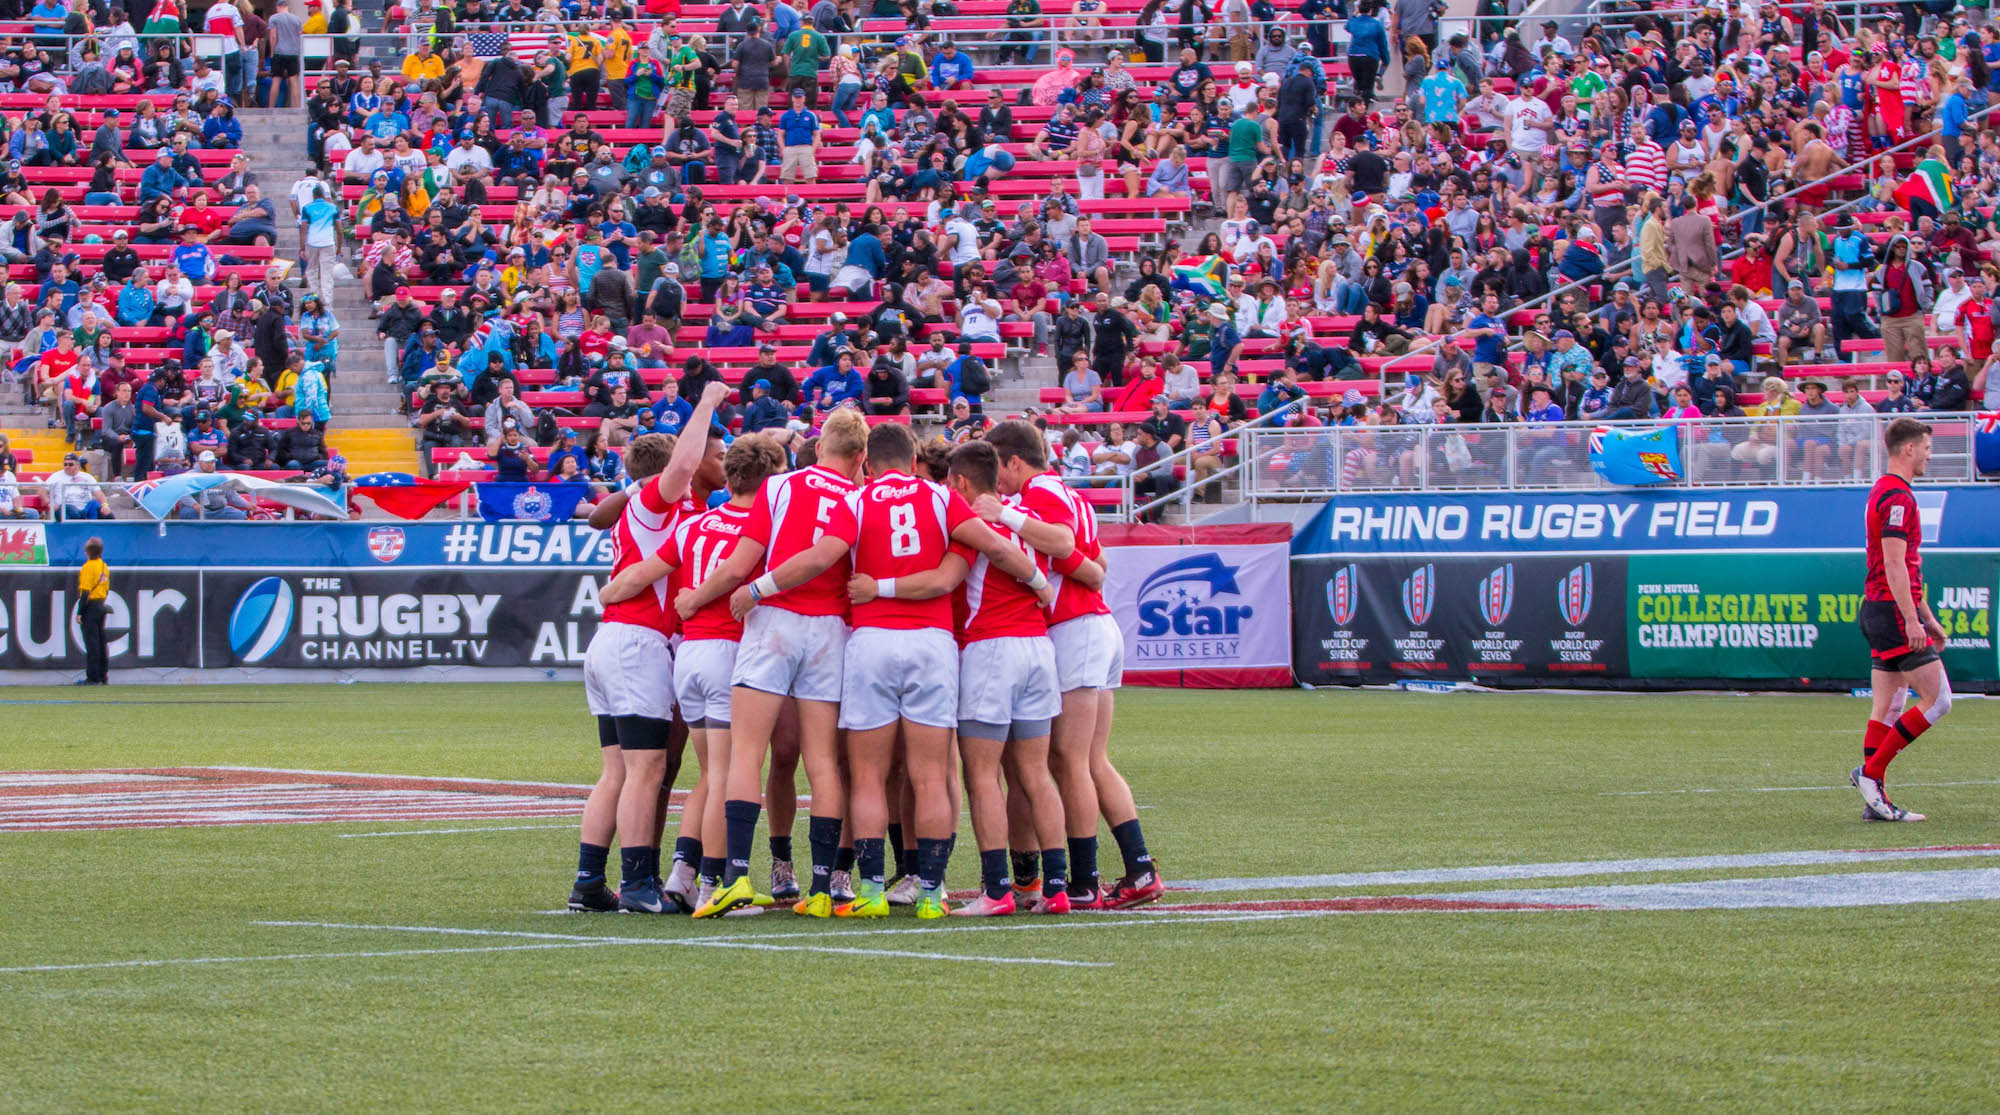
1341	593
1420	595
1496	595
1574	595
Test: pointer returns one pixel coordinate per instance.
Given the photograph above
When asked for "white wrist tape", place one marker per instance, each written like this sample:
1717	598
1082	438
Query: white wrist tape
766	585
1013	518
1040	582
633	489
885	587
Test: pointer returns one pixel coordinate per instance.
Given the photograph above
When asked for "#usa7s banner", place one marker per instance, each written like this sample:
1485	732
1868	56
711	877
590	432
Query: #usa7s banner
1204	607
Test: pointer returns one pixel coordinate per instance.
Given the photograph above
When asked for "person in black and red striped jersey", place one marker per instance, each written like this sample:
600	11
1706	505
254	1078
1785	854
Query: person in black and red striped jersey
1904	636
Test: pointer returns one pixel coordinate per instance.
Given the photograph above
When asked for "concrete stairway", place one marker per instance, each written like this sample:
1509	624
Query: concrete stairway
367	429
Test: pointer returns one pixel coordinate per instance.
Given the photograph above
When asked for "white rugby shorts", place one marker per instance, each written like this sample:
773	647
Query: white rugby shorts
629	671
791	655
1009	680
900	674
702	670
1090	653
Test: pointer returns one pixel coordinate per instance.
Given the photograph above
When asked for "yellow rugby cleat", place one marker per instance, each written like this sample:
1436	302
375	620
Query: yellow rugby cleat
864	906
814	906
736	894
930	907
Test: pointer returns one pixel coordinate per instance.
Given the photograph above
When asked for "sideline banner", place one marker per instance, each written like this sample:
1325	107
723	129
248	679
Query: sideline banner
1705	616
1780	620
343	618
1503	620
1963	517
357	545
1202	607
152	619
304	618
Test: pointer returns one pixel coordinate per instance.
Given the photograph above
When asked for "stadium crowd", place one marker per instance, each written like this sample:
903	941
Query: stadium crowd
571	218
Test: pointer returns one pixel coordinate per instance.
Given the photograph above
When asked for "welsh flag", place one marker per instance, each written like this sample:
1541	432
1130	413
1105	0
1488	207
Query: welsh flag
1931	182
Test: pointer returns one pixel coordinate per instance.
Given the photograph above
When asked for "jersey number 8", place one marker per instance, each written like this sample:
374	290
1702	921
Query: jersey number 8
903	539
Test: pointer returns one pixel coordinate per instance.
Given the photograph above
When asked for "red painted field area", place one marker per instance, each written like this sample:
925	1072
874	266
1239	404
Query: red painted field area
173	797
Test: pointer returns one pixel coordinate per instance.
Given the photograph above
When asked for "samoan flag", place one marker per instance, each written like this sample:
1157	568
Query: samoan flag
1639	458
536	503
406	496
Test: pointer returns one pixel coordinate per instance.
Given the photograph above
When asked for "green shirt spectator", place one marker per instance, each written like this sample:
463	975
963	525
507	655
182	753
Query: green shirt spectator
1245	133
806	51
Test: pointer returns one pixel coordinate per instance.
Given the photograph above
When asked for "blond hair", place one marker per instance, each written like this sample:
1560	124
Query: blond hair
844	435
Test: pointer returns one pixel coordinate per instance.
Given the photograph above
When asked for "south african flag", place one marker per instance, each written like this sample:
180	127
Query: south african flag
1206	275
1929	182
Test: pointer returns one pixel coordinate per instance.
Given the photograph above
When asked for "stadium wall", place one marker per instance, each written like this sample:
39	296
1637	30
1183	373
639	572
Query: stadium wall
196	602
1737	588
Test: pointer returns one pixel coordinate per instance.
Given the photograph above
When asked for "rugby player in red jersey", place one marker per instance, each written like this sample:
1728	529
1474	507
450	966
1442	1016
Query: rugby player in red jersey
792	648
901	658
1904	636
1089	665
1007	694
628	682
707	651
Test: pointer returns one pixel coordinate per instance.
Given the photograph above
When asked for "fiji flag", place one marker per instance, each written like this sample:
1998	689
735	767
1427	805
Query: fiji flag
1986	441
538	503
1638	458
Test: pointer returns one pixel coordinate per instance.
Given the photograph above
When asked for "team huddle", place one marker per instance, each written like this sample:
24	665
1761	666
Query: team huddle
922	627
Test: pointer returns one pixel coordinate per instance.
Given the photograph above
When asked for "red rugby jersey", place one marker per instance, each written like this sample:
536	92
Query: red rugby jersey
898	525
792	513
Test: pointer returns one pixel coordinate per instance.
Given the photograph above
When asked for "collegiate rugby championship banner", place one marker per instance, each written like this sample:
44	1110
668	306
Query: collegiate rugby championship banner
1204	607
1757	587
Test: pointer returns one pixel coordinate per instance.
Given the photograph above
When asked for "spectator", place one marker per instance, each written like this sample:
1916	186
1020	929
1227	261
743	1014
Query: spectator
220	502
302	447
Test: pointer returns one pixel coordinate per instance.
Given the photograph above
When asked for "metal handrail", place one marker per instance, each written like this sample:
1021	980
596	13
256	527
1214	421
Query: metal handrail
1186	456
1516	467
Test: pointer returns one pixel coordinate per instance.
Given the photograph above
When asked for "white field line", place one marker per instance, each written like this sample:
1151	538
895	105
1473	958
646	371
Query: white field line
1779	789
993	925
173	961
405	777
1498	872
449	832
1789	892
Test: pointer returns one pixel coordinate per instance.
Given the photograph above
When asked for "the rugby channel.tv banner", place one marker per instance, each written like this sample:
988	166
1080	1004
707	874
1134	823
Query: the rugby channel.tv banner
1207	606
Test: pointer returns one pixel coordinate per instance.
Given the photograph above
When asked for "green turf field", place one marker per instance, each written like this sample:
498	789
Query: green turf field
1774	1007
